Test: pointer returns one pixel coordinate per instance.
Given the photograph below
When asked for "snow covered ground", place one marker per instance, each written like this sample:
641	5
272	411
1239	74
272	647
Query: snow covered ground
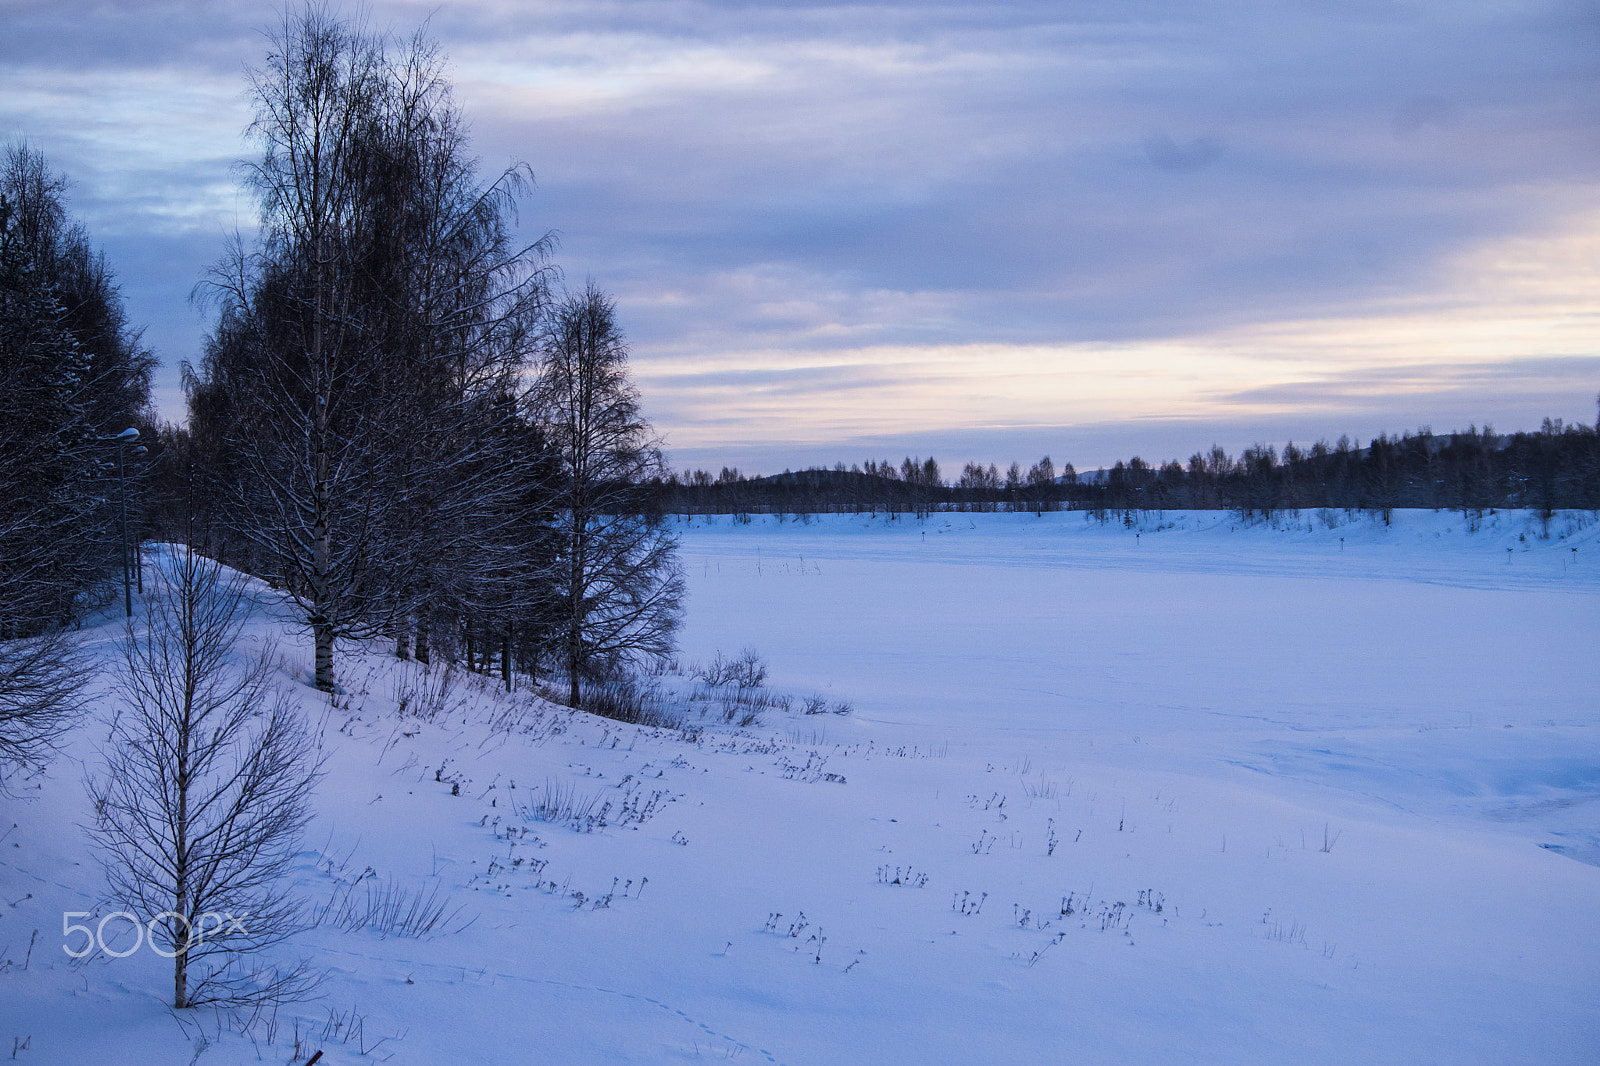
1185	791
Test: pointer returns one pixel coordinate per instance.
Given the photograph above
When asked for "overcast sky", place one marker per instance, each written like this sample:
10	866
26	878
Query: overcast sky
981	230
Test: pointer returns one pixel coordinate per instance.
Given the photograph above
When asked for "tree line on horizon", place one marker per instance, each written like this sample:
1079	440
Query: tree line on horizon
1555	467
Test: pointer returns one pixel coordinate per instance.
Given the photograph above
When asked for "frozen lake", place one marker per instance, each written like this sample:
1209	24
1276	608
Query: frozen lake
1426	694
1416	665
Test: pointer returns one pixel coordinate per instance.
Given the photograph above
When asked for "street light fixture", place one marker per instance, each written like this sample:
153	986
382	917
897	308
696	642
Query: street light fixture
138	556
127	436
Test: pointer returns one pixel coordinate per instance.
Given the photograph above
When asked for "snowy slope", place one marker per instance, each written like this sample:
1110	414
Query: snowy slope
1328	792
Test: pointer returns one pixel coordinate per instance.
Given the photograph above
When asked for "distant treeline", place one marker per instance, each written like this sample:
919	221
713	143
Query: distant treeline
1554	467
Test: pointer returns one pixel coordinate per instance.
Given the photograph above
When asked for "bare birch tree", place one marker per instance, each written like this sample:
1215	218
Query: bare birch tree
205	791
285	354
361	358
620	587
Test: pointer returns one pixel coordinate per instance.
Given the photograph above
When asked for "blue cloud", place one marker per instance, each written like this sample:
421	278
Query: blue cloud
801	177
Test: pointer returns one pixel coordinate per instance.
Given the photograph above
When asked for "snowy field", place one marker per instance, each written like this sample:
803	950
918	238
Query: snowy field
1184	792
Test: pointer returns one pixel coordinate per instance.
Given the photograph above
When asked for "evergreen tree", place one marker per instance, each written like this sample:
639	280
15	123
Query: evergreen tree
74	377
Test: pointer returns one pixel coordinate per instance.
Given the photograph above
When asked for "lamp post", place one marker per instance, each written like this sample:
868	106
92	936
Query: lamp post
127	436
138	556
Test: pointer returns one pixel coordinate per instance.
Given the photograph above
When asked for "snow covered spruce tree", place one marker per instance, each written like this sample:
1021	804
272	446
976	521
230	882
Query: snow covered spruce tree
48	470
74	374
204	792
619	589
365	354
